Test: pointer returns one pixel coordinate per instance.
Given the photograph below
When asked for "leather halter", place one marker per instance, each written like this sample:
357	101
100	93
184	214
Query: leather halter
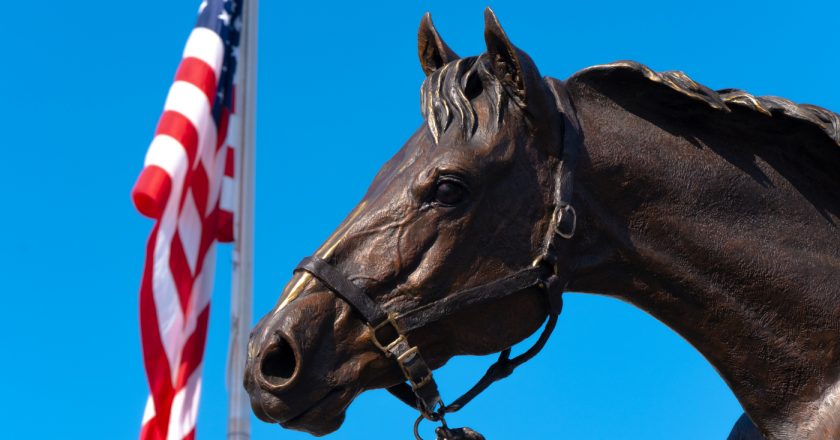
548	273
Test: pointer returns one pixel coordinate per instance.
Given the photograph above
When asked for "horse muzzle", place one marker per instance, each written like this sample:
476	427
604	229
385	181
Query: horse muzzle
299	372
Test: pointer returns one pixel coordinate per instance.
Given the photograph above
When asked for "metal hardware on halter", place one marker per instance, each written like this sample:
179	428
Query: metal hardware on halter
407	357
375	336
412	365
566	221
417	425
444	432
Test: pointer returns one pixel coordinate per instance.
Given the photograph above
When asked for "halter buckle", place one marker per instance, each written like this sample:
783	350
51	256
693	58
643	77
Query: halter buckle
393	331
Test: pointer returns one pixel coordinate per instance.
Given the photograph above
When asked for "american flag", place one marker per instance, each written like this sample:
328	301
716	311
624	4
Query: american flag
187	186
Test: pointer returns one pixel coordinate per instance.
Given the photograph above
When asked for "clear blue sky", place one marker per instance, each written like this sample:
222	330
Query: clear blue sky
338	94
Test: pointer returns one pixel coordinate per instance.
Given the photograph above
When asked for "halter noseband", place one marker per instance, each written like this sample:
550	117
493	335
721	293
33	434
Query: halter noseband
549	273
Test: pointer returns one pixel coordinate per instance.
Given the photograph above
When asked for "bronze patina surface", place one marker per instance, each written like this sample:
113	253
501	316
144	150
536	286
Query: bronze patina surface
715	211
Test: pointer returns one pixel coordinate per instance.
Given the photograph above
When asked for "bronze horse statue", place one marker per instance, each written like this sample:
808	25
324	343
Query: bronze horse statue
714	211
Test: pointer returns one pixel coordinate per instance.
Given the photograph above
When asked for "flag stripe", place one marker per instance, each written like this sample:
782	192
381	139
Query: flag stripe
229	162
168	154
182	130
199	74
151	191
194	348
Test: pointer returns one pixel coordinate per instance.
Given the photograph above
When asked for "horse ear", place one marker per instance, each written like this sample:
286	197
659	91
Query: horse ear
433	52
505	58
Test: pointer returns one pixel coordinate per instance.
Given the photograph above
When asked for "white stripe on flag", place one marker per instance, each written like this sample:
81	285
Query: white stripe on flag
201	290
168	306
149	412
234	134
227	201
167	153
189	230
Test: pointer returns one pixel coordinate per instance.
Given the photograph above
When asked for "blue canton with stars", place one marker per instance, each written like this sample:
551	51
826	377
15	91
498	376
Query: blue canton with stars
223	17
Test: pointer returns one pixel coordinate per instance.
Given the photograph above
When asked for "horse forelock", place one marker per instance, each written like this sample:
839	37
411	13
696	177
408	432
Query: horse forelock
445	98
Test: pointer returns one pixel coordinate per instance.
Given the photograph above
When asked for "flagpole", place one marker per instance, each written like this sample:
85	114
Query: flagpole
243	251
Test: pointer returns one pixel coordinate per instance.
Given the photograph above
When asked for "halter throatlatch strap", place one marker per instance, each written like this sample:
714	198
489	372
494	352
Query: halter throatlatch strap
549	273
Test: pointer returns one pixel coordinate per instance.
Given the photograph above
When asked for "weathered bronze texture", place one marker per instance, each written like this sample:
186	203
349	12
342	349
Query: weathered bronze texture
714	211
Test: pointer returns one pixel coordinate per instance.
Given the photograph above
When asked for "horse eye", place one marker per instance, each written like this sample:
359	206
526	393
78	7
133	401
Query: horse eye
449	192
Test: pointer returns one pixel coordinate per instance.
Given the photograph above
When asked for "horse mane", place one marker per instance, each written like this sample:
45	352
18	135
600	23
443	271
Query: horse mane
800	141
725	100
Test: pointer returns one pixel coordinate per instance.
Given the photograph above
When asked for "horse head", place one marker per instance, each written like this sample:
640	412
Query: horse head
468	199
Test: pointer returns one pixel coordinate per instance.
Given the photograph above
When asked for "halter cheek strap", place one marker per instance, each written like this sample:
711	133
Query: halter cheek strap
549	273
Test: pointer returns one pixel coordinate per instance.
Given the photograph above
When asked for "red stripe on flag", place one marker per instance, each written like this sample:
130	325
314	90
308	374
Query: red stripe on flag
180	128
154	355
199	74
229	163
150	431
208	238
193	349
151	191
181	273
200	188
224	233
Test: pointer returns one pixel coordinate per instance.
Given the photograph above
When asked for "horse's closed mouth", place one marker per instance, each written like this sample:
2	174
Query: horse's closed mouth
327	410
334	402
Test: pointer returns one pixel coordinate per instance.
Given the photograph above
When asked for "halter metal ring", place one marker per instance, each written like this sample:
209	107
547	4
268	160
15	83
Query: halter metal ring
559	229
436	416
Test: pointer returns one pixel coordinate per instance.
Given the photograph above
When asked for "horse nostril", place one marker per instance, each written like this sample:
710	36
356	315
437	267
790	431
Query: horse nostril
279	363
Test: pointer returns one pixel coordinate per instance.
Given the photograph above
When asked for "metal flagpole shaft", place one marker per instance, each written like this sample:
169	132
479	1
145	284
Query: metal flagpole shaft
243	252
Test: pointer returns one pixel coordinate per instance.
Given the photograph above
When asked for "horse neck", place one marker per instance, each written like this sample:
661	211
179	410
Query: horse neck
723	249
